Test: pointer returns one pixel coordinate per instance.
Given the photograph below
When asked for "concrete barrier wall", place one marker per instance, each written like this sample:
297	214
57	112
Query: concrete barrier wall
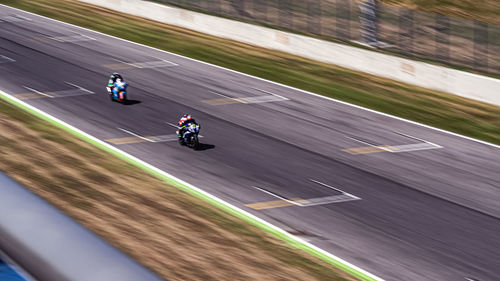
421	74
51	247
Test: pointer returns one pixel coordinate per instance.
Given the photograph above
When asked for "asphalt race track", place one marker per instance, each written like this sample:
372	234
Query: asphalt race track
399	200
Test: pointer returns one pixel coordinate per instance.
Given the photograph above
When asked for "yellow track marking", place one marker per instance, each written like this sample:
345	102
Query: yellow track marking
119	66
273	204
28	96
368	149
128	140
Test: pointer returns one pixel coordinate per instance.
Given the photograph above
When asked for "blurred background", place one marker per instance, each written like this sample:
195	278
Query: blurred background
470	41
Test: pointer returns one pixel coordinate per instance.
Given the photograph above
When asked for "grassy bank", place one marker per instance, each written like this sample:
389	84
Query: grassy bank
173	233
460	115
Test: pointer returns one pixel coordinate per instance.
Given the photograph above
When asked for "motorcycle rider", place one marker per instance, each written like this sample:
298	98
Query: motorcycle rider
112	80
186	119
119	86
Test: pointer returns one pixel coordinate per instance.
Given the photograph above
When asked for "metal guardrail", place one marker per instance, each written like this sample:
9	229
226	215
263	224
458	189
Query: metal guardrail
52	247
448	40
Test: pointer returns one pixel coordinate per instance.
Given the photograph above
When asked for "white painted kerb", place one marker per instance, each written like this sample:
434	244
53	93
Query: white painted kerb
421	74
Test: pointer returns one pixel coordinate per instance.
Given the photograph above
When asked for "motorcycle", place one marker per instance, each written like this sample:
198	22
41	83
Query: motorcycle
190	136
119	93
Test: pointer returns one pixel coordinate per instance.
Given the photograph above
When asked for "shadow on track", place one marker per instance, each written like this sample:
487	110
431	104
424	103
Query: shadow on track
205	146
131	102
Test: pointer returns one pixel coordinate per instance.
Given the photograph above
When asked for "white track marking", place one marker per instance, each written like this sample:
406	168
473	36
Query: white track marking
148	64
4	59
258	99
152	64
422	145
267	92
412	147
38	92
343	197
72	38
64	93
336	189
172	63
136	135
329	200
221	95
173	125
120	61
277	196
421	140
81	88
261	99
369	144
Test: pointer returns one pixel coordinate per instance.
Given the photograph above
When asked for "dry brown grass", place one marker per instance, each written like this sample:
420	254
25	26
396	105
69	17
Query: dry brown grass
174	234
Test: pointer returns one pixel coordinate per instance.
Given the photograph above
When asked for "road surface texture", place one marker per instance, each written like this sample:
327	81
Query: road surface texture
401	201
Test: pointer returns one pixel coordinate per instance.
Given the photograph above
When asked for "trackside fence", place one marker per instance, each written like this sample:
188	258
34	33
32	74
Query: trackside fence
452	41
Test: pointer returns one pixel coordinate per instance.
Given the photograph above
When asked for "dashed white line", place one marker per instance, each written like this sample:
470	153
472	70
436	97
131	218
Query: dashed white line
422	145
173	125
277	196
336	189
38	92
415	138
221	95
4	59
267	92
136	135
72	38
81	88
369	144
343	197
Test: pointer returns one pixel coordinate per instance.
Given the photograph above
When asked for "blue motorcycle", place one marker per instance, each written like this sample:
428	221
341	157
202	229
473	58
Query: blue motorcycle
119	92
190	136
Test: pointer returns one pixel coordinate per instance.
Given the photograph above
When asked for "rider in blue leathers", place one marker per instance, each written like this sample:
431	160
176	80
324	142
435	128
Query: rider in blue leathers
112	79
119	86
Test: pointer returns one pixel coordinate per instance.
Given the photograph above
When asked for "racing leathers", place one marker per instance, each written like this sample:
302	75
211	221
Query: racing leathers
183	123
118	87
112	80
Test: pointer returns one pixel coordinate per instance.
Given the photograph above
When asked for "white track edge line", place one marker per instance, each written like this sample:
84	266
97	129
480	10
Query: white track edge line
213	197
268	81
